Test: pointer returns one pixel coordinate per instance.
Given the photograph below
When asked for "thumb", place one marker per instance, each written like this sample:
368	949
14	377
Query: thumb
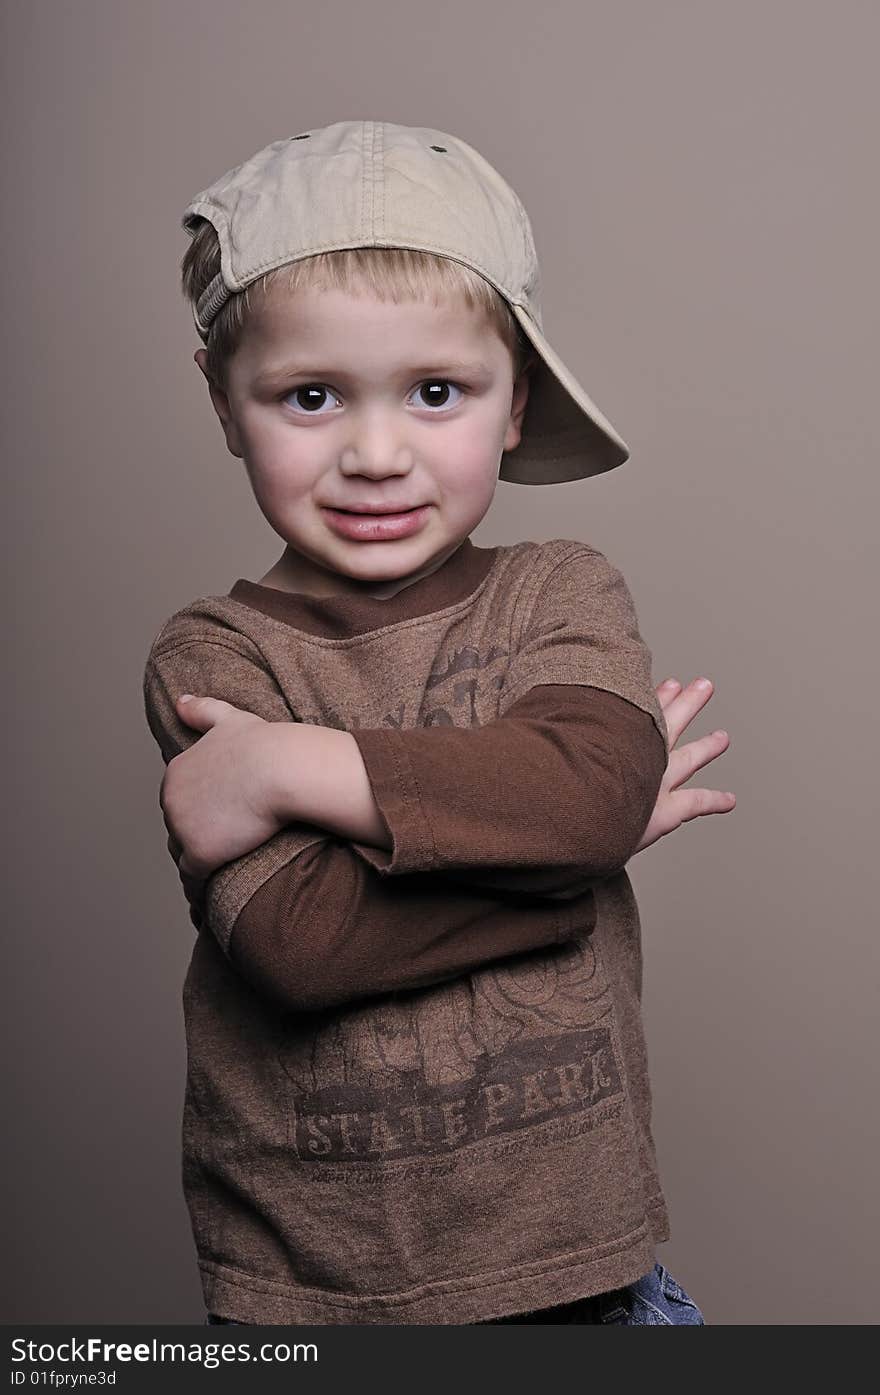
201	712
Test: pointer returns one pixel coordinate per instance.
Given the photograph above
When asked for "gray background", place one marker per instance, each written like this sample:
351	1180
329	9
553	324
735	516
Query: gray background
701	179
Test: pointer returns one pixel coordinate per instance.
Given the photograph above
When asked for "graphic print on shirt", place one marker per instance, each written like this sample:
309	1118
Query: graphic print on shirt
512	1045
464	691
457	673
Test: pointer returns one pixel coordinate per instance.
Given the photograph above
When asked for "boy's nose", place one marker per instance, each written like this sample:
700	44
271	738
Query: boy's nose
377	449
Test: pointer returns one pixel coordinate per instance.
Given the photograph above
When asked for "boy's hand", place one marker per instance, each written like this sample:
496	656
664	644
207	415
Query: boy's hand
214	795
677	806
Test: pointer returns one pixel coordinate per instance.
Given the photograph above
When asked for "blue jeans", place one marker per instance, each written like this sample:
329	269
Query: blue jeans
655	1300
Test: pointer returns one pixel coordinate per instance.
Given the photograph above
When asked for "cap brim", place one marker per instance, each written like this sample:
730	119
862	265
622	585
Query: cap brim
564	435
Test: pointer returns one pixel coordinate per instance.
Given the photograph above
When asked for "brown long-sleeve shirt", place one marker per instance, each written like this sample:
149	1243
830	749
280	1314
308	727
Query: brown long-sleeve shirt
504	710
333	925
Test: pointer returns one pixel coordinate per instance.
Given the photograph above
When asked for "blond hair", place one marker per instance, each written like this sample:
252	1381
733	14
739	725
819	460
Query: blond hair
389	273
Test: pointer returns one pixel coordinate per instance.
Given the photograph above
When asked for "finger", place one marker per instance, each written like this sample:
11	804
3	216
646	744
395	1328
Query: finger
685	761
668	690
201	711
683	708
693	804
175	847
190	701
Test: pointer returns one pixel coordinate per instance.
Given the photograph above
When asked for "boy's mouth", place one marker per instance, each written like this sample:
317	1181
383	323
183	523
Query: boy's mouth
367	525
380	509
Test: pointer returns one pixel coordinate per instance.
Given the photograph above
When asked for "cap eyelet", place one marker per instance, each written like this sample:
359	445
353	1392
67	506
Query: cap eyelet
441	148
305	136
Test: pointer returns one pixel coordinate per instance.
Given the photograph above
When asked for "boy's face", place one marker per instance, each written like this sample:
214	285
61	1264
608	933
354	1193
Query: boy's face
339	402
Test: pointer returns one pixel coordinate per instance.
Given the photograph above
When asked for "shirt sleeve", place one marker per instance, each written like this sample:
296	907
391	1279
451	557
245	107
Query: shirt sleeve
560	787
225	666
327	929
302	918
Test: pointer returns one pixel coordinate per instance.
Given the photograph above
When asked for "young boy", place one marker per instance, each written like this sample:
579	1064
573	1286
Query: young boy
404	794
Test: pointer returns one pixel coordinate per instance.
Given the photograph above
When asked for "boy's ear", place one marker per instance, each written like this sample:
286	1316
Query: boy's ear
517	408
220	403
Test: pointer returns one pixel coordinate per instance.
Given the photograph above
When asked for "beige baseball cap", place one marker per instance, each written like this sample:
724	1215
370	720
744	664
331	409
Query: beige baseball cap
375	184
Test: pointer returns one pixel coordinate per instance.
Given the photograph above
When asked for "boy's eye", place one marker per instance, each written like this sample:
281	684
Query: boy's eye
436	392
311	398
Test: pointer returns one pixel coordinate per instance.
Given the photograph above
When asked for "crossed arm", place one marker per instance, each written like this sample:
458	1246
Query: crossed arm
417	896
476	844
339	780
556	791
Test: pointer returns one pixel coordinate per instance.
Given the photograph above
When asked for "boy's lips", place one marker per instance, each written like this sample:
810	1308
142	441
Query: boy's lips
371	525
375	508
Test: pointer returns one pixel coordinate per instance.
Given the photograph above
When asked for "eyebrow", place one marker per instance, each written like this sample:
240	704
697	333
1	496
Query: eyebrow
447	368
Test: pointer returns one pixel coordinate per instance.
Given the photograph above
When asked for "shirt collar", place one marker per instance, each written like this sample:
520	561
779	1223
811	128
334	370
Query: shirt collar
341	616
